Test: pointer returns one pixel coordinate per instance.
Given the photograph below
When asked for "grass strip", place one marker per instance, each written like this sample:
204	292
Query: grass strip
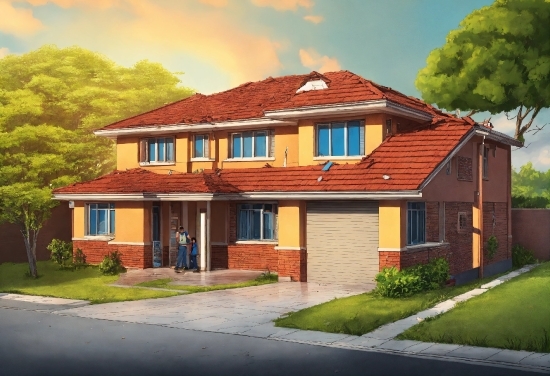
165	284
360	314
84	284
514	315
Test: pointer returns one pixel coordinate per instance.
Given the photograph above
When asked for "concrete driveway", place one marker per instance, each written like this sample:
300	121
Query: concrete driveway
245	310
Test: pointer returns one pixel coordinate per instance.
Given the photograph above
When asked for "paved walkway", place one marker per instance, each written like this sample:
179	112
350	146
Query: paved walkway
250	311
216	277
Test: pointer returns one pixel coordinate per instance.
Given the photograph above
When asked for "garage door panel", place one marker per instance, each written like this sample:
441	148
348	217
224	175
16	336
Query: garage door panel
342	241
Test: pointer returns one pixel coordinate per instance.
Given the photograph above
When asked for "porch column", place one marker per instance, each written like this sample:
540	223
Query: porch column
203	237
208	245
391	233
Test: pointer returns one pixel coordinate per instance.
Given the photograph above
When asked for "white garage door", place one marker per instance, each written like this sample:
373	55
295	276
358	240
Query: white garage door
342	241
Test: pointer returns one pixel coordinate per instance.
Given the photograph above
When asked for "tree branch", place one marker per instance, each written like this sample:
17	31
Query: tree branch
472	113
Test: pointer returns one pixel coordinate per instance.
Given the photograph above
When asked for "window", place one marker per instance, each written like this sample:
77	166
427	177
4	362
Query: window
254	144
201	149
462	221
101	219
485	163
388	127
416	223
341	139
157	150
449	167
257	222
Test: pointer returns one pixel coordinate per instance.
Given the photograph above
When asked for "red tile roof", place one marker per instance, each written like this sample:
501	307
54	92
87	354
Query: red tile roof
250	100
407	158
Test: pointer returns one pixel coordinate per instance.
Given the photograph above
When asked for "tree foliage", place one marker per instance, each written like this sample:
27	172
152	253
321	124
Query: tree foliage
530	188
51	100
498	60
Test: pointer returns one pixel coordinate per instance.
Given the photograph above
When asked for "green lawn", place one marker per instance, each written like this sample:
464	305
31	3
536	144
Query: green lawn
86	284
363	313
165	284
514	315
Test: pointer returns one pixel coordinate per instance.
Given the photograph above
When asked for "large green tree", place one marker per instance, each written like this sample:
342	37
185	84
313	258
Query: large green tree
498	60
51	100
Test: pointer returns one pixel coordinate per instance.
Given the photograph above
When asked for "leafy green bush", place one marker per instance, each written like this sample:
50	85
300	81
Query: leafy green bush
491	247
79	259
61	253
111	264
395	283
535	202
522	256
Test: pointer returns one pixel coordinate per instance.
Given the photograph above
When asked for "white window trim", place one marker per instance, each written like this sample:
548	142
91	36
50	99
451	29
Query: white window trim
330	124
352	158
267	145
205	139
249	159
202	160
268	241
108	236
157	163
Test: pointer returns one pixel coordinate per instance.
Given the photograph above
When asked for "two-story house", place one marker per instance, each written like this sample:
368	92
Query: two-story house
323	178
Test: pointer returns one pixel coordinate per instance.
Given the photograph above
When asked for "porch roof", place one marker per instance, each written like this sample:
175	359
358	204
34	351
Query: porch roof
401	163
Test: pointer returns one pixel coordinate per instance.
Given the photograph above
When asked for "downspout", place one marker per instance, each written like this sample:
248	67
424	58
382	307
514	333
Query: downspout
480	205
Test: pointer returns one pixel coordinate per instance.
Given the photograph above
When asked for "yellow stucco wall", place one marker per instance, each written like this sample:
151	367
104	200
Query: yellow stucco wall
475	236
127	153
306	140
391	224
219	221
133	221
374	132
79	219
291	224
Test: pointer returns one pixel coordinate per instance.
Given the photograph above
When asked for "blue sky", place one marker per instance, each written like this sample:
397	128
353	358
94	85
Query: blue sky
222	43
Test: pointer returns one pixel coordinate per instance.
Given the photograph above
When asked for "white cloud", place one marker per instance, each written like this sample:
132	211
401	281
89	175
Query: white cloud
282	5
17	21
311	59
544	158
4	51
314	19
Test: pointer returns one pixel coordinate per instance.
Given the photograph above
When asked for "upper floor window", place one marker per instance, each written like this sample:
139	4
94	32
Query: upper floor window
257	222
157	150
253	144
100	219
341	139
416	223
201	149
485	162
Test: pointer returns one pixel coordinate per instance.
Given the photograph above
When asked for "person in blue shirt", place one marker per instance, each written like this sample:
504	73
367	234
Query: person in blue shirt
182	237
194	253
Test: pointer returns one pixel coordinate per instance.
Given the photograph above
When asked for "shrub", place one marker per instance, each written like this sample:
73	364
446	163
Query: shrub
79	259
61	253
491	247
111	264
522	256
394	283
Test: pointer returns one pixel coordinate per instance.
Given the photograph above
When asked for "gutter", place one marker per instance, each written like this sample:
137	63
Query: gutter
133	196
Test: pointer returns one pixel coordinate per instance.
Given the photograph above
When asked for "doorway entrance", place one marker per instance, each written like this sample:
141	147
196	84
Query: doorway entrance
157	245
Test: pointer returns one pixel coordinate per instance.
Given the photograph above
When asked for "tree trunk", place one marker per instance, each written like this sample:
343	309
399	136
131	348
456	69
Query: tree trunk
30	252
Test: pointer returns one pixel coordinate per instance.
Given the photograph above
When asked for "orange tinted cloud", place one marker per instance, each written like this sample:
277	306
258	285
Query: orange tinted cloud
215	3
313	60
17	21
4	51
314	19
283	5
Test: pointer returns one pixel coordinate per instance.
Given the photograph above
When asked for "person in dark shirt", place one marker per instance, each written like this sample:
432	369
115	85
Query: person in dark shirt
194	253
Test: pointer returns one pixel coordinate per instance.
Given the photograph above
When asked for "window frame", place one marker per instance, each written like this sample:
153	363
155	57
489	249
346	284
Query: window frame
416	211
485	167
144	151
205	146
362	134
268	145
110	217
460	228
249	237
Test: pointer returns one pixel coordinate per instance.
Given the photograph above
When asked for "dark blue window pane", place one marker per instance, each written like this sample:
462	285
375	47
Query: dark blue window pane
170	149
247	145
160	143
256	225
260	145
338	140
112	222
243	224
93	220
101	222
152	151
354	138
323	135
237	146
199	146
268	225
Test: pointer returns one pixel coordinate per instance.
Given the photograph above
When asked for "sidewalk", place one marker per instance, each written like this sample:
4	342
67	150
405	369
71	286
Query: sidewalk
249	312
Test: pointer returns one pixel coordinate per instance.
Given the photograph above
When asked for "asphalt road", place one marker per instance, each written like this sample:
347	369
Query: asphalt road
38	343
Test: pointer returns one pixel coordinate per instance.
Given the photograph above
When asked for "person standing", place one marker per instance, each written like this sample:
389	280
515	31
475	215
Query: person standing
194	253
182	237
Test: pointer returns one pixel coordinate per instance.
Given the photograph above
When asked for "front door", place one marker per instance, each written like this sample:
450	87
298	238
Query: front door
157	246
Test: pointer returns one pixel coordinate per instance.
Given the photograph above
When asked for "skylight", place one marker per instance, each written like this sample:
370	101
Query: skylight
313	85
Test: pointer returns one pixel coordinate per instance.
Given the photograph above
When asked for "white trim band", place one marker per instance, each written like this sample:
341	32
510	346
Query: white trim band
284	248
257	242
99	238
128	243
319	195
133	196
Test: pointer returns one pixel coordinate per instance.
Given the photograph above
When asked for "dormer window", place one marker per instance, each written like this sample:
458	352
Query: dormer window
313	85
156	150
341	139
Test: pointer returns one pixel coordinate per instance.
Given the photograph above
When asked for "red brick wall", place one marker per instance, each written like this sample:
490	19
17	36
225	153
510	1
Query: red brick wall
293	264
432	221
220	258
12	247
253	257
499	230
133	256
460	242
530	230
389	259
425	255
